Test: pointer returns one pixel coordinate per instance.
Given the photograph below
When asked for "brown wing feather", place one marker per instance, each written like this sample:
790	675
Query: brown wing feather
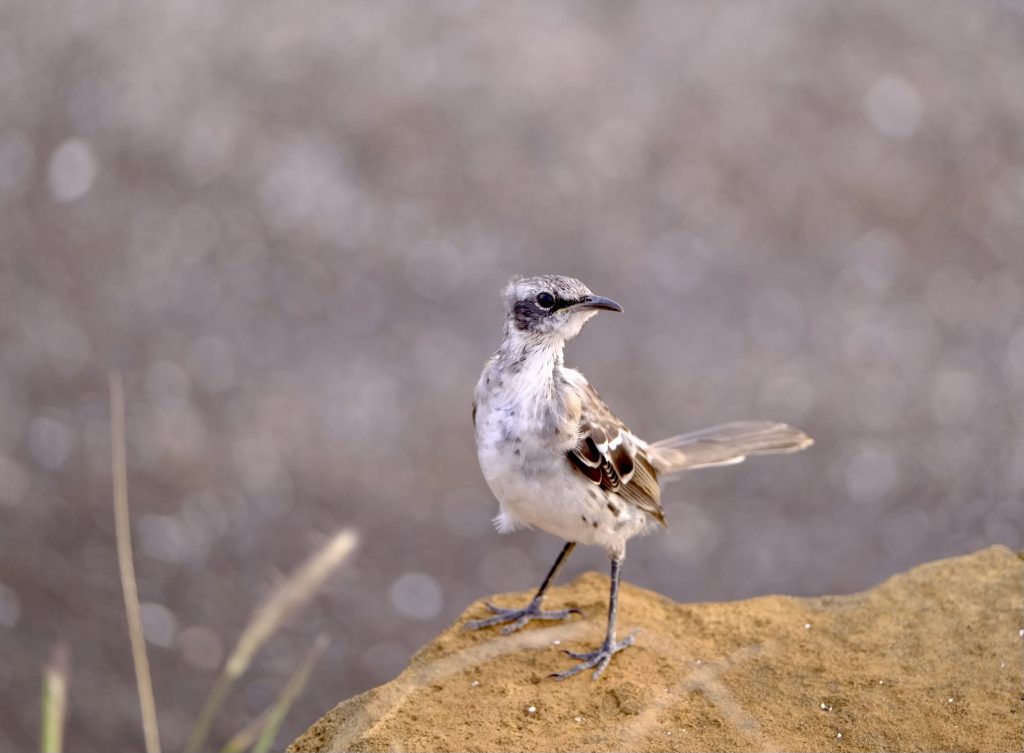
608	456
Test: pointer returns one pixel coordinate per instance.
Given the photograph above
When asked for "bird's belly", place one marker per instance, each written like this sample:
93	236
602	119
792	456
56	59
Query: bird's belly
525	466
547	503
550	496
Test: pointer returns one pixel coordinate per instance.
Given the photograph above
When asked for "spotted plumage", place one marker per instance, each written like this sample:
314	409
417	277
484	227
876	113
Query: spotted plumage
558	459
609	455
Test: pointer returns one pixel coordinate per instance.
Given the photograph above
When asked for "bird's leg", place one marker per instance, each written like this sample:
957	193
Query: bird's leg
532	611
598	660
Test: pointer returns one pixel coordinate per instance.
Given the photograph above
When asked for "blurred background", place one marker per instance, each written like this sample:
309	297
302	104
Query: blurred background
288	223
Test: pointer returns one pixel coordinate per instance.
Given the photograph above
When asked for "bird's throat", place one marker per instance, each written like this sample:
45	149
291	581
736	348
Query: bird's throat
530	358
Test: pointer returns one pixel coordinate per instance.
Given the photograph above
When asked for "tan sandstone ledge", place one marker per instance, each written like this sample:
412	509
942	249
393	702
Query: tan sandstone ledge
931	659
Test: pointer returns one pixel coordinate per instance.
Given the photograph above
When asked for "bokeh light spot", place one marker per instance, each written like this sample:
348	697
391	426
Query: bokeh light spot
72	170
416	595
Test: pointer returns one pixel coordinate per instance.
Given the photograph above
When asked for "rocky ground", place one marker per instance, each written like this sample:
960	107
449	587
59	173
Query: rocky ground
930	659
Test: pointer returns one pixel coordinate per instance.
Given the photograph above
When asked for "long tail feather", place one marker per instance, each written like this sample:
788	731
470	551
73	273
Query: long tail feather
725	444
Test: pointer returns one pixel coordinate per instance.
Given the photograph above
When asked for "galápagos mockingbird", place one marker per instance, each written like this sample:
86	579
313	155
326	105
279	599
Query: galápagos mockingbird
558	459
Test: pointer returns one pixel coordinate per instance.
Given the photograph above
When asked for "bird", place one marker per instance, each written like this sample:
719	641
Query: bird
558	459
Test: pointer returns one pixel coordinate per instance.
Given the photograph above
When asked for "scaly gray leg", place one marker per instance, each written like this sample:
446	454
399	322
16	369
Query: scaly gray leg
532	611
598	660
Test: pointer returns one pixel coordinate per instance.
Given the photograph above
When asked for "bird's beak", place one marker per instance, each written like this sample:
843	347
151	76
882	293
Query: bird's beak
598	302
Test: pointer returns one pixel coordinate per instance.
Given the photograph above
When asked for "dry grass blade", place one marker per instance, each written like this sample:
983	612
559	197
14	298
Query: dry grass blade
286	598
127	566
292	690
55	700
245	737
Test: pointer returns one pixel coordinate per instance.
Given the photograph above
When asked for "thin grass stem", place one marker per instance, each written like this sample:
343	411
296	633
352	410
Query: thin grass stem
283	601
122	523
292	690
55	701
246	737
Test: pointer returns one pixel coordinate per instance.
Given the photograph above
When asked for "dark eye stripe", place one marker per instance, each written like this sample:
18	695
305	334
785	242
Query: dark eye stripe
561	303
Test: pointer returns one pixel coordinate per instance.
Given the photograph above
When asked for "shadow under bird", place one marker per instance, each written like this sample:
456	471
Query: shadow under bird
558	459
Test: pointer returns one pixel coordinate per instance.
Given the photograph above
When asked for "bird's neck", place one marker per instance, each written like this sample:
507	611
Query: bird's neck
530	357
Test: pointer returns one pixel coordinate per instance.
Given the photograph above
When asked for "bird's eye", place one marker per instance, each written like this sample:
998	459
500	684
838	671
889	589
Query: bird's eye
545	300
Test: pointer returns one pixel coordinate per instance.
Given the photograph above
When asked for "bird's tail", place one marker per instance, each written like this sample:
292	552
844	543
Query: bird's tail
724	445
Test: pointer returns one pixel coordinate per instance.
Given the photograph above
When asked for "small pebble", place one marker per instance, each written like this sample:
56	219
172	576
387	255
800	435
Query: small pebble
949	700
1021	632
474	684
807	626
699	661
579	719
668	733
838	735
825	707
881	682
556	642
531	710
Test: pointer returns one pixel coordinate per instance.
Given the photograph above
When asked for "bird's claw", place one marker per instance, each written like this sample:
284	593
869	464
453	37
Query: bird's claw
596	660
518	618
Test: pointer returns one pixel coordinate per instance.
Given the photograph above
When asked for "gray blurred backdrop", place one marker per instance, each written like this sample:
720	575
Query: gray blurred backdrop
288	224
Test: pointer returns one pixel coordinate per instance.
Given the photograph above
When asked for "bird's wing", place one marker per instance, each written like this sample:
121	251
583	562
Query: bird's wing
609	455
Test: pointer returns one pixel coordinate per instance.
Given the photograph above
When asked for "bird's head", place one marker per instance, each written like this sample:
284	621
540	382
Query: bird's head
551	306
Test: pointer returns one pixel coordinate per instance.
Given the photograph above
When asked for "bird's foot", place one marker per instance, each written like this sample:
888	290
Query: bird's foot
518	618
596	660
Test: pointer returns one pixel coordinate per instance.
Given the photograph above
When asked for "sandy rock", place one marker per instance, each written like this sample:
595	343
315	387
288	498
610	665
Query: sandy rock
931	659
